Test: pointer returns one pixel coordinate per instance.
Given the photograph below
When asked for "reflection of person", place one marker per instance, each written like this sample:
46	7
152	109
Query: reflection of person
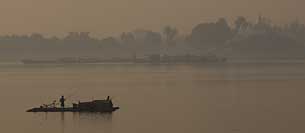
62	101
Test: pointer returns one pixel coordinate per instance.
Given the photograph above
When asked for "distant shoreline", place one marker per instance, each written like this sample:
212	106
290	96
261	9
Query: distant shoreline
148	63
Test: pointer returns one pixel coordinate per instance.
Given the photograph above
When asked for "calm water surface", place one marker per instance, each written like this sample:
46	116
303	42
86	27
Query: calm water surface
230	98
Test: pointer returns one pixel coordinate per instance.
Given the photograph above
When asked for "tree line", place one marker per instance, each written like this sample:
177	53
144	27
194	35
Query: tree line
243	38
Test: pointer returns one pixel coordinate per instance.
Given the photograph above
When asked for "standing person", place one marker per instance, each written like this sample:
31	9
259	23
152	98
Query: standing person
62	101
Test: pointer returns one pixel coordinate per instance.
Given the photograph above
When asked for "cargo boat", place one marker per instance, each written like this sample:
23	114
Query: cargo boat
105	105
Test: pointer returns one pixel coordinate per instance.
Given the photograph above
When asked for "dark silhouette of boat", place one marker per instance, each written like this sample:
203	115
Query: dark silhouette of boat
105	105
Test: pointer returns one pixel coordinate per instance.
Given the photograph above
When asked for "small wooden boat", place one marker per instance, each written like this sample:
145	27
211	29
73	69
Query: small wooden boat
92	106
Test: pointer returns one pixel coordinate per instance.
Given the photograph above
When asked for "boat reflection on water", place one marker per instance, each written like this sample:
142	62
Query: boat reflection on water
80	121
93	116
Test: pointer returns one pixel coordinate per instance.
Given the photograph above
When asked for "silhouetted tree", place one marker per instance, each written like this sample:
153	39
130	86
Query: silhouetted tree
210	34
148	37
72	36
297	30
170	33
263	24
128	38
36	36
153	38
241	23
110	41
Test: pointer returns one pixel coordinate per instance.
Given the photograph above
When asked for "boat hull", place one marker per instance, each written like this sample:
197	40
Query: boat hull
70	110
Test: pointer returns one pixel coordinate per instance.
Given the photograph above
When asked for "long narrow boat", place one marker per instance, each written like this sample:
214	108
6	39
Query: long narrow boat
92	106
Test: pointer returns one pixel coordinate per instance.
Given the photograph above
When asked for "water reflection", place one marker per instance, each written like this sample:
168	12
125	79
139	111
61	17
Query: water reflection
63	125
105	117
94	122
78	122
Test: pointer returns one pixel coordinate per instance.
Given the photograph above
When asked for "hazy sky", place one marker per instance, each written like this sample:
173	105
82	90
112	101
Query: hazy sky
111	17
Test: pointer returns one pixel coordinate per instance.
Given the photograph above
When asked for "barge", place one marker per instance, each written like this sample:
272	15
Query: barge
105	105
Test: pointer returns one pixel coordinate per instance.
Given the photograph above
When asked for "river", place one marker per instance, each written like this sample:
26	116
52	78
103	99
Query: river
212	98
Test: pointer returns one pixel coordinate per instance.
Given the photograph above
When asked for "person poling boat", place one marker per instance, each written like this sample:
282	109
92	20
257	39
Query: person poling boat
62	101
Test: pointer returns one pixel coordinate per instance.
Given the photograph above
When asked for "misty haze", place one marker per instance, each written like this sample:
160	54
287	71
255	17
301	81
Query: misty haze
244	40
171	66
